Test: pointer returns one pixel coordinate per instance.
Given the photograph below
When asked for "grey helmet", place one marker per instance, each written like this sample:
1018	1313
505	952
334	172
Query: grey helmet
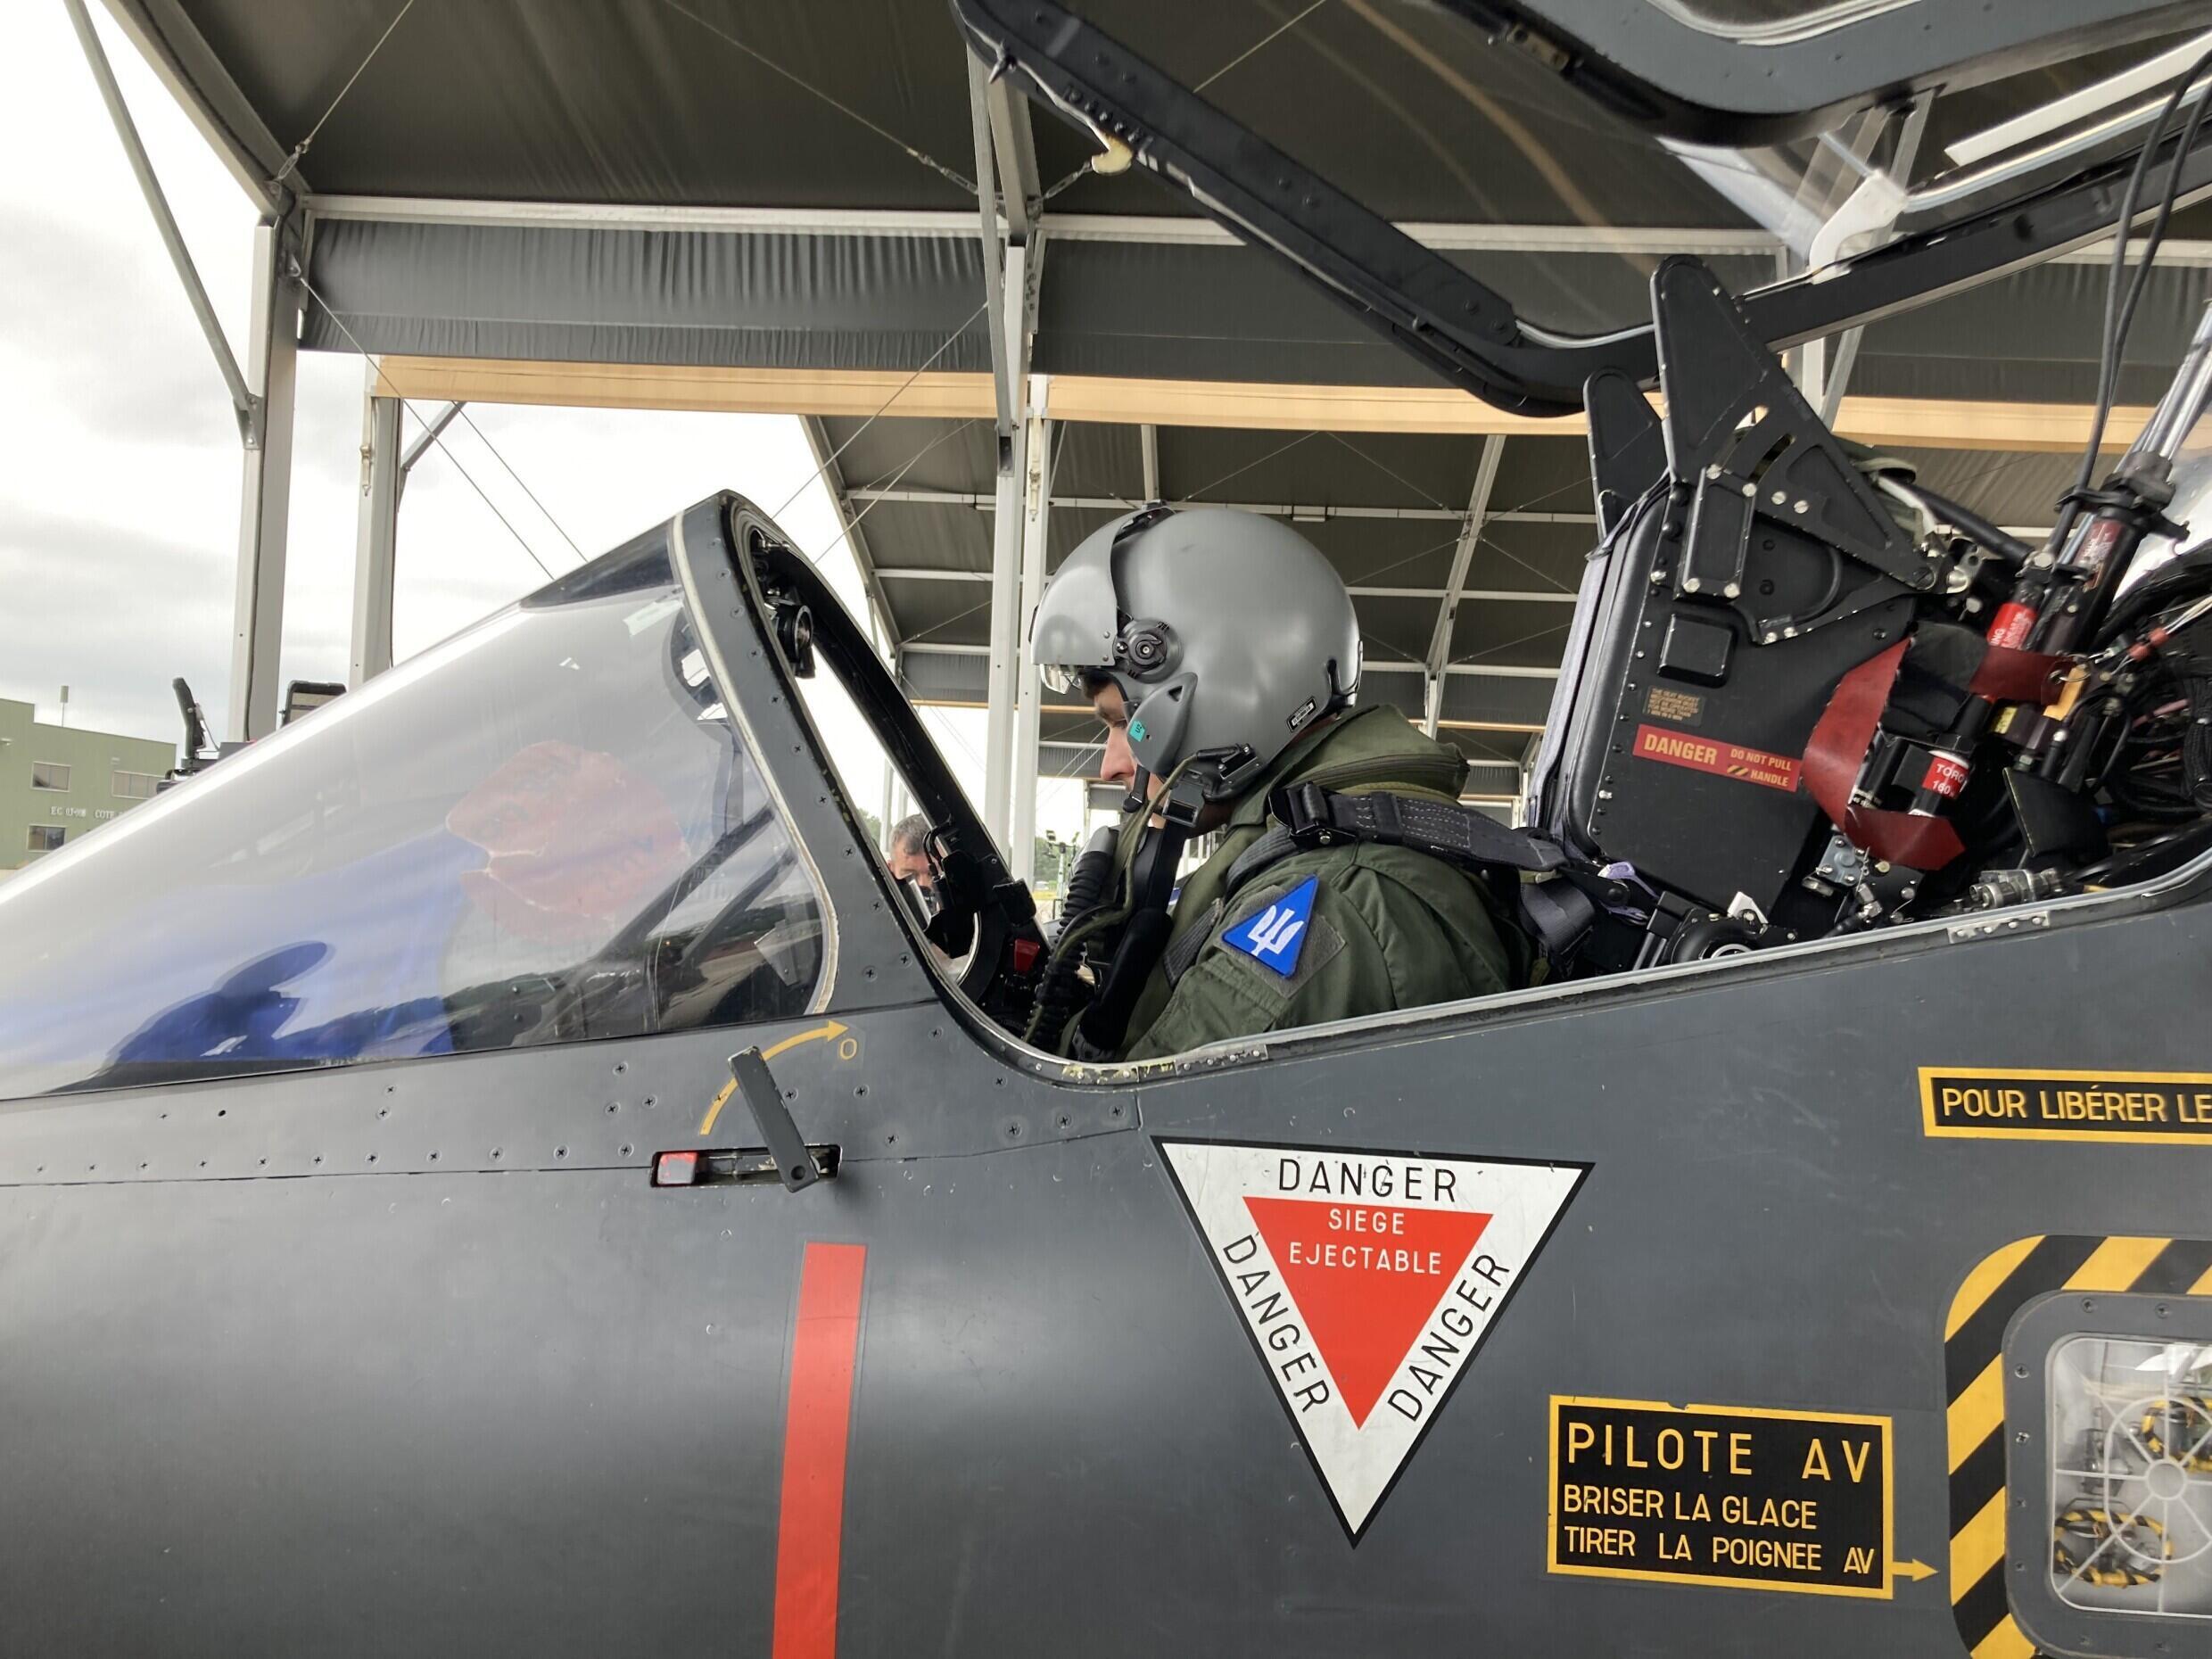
1229	633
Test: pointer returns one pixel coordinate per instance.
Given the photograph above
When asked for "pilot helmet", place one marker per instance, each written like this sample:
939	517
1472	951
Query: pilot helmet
1229	633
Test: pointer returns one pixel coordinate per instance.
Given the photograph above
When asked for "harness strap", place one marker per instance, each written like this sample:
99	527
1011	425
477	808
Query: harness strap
1837	753
1554	910
1273	846
1314	816
1177	960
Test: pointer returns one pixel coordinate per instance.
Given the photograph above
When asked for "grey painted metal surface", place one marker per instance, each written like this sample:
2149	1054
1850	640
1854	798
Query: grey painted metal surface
413	1356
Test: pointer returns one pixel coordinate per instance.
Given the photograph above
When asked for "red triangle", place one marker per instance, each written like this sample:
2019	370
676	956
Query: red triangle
1365	1291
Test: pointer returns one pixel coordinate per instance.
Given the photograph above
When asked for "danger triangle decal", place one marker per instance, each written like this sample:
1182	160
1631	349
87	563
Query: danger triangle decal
1366	1281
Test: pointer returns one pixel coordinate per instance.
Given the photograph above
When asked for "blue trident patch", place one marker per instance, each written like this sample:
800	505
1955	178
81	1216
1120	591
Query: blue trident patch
1277	934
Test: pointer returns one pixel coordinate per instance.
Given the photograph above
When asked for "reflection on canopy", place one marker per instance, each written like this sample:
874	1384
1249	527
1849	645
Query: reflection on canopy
545	830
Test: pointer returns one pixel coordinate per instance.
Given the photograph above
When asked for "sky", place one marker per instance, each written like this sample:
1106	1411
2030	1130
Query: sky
119	461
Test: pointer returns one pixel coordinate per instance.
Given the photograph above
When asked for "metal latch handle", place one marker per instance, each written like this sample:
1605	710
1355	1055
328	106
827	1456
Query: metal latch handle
795	1164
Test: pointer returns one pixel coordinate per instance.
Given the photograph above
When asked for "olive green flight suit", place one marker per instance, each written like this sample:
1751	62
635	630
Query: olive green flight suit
1390	928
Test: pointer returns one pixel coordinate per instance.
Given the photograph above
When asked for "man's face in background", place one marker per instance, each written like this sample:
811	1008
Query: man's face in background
914	865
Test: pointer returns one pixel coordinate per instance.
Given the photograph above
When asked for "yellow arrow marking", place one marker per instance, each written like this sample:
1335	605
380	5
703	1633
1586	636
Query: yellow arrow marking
1913	1569
829	1030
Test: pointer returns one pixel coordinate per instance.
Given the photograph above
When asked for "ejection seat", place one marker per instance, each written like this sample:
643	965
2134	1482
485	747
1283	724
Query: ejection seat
1747	561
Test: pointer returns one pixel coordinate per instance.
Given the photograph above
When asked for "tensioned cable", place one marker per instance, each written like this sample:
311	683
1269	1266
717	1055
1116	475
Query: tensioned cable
1379	466
1492	650
439	439
436	436
1483	540
462	411
913	693
1264	40
300	149
897	391
470	479
888	480
870	506
1059	442
1303	437
982	604
967	184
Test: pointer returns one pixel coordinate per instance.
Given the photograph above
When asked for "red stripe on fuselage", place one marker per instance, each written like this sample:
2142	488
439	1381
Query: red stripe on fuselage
825	1346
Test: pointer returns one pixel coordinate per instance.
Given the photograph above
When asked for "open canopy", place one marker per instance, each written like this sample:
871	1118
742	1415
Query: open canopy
781	206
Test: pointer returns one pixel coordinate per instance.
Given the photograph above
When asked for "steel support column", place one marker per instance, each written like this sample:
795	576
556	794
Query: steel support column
1005	175
375	542
265	496
1005	646
1463	554
1036	497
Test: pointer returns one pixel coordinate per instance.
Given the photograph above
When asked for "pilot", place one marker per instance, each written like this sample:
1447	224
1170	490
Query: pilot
1221	649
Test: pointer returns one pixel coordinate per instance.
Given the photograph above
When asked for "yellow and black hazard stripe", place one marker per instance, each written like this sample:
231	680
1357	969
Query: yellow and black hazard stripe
1973	1380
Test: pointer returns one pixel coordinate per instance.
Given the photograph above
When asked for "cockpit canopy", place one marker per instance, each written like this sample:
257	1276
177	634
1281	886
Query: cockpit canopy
547	829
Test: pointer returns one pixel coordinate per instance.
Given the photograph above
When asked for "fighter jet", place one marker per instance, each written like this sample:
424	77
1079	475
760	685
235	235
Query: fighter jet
499	1164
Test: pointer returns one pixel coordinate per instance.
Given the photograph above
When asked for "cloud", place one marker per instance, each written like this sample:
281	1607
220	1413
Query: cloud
119	500
112	613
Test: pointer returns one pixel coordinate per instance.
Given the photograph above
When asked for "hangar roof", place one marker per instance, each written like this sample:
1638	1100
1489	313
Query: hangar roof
787	185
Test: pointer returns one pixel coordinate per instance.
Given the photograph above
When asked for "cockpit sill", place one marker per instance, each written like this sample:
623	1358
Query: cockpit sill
1513	1008
756	677
2180	886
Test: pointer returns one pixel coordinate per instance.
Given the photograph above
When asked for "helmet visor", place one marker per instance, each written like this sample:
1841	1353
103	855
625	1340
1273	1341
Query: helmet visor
1075	625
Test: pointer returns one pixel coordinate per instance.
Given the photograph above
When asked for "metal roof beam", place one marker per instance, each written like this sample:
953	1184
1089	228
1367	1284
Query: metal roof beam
1918	423
905	573
1463	554
243	400
1154	229
1479	671
1116	504
196	79
1004	388
1021	191
1148	447
1443	235
1303	511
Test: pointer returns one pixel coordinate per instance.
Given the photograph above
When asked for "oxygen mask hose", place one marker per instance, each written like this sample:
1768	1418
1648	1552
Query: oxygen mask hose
1100	1032
1090	886
1123	895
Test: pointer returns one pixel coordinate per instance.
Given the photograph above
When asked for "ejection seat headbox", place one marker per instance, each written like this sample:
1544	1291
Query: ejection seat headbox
1747	562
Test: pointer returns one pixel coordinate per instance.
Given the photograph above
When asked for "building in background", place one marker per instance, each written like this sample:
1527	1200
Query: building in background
58	782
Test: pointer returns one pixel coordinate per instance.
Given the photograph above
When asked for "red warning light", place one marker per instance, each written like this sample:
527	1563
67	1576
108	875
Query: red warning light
675	1168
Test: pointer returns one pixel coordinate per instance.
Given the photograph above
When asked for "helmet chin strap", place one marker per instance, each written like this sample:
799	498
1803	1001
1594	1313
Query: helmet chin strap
1140	796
